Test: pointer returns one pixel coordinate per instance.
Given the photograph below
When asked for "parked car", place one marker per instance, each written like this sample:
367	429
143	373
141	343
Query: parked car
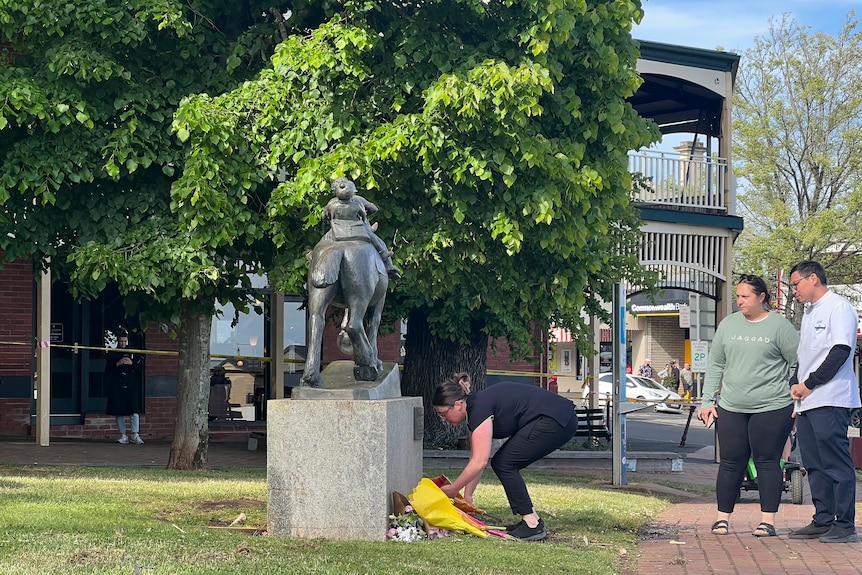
638	387
672	403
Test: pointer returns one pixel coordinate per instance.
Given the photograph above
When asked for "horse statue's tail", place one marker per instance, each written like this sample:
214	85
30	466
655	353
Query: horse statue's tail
325	266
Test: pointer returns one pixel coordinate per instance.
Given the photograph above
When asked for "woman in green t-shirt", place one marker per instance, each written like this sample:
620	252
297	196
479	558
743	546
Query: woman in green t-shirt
750	362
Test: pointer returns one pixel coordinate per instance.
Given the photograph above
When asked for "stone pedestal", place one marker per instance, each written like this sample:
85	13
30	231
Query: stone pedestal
332	463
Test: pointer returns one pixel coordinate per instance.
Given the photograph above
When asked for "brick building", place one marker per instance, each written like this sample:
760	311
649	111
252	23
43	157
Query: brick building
80	332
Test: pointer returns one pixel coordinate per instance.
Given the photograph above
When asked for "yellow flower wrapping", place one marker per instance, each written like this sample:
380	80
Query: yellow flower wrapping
436	508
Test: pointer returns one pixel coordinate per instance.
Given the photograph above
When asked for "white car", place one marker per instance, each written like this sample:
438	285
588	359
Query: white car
638	387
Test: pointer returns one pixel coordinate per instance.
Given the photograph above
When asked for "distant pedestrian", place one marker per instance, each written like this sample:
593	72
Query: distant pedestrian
665	377
825	389
219	402
686	379
124	371
664	372
674	376
645	370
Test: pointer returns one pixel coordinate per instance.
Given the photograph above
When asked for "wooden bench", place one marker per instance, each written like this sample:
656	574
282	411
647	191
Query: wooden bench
592	423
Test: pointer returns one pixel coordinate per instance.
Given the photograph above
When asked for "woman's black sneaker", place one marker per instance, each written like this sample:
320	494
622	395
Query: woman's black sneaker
510	528
526	533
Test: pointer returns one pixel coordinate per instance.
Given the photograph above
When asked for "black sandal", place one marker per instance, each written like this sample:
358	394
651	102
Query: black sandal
720	527
764	530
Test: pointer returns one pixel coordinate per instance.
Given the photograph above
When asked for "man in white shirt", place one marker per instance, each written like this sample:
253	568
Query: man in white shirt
824	387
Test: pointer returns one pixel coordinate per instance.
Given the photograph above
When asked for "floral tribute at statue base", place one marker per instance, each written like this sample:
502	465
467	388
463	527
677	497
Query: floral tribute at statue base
427	513
406	525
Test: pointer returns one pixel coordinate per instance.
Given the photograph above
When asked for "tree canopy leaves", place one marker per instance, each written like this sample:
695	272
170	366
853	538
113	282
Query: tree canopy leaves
798	149
172	147
492	135
87	159
88	152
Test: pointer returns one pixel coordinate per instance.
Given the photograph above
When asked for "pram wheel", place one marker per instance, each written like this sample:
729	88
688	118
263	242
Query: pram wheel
796	486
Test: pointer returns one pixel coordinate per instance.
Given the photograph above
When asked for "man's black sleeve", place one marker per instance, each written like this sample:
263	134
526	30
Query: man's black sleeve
830	366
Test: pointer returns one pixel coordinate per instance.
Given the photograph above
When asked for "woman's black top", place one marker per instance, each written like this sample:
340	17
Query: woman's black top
514	406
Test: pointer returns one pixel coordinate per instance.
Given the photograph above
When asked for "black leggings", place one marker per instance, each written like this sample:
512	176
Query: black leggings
529	444
761	437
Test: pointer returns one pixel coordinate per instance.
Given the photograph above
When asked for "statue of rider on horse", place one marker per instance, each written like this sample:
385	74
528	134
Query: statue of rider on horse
350	268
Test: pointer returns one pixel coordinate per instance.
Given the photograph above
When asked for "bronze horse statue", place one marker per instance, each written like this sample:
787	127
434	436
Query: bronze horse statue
348	274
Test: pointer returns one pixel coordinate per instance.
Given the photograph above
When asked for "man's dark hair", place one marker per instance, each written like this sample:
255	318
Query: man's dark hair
810	267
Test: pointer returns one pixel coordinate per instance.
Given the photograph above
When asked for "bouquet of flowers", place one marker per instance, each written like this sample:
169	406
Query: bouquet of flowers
458	501
437	509
407	526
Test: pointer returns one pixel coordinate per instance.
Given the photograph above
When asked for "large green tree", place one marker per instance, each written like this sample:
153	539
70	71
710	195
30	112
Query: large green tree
798	151
88	90
493	136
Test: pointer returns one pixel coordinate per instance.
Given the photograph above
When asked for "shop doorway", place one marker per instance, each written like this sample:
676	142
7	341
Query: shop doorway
77	373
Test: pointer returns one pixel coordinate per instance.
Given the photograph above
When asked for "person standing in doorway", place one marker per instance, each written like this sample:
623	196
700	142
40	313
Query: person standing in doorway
123	371
824	387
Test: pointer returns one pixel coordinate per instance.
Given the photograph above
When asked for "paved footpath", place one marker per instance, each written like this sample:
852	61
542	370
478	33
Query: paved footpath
97	453
694	550
686	545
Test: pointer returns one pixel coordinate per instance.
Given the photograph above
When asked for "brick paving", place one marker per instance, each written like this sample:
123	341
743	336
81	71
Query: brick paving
689	547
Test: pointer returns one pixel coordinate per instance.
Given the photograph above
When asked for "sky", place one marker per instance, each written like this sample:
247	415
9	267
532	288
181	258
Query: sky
733	24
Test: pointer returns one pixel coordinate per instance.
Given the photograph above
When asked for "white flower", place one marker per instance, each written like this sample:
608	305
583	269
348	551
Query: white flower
407	527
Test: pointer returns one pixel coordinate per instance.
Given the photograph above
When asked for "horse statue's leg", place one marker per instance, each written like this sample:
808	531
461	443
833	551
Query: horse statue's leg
345	346
372	320
318	300
365	368
372	324
362	290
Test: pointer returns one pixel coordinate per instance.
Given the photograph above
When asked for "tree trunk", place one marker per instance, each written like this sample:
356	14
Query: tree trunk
428	360
191	435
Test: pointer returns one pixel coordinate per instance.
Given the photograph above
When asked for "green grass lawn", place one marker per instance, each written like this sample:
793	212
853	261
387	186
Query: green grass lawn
82	520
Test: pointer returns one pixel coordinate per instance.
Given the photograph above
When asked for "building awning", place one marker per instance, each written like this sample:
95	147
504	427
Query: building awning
560	335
